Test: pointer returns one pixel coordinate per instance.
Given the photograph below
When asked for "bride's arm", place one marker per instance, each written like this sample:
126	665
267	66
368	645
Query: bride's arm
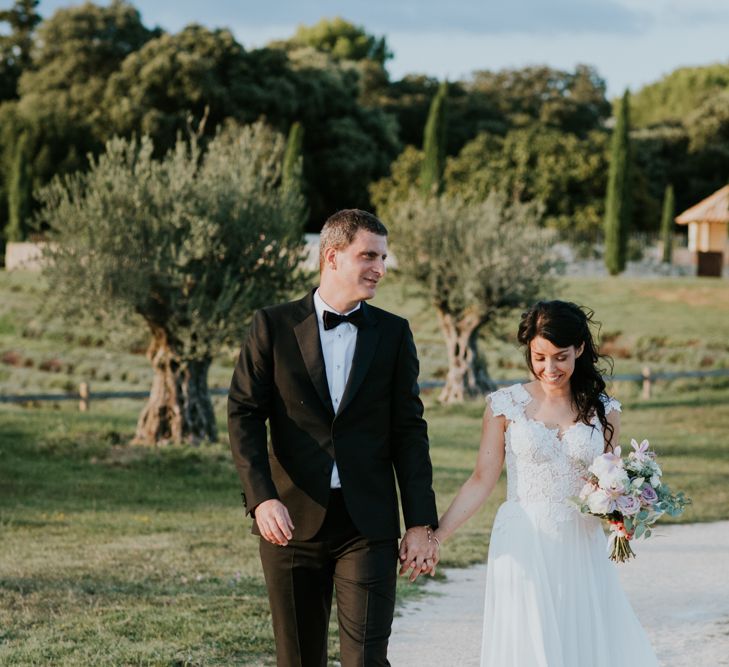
483	479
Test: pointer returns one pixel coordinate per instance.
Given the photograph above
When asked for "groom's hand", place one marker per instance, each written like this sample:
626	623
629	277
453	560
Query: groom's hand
274	522
418	552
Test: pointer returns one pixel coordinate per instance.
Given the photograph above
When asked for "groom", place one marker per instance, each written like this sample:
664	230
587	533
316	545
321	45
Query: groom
336	379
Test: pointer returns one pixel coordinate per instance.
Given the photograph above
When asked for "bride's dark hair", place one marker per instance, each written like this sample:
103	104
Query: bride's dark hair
563	324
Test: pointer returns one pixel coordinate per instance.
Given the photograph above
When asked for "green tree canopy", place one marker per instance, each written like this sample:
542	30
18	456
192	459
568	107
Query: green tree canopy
342	40
58	114
572	101
189	245
564	172
345	146
157	87
347	45
677	94
15	45
76	51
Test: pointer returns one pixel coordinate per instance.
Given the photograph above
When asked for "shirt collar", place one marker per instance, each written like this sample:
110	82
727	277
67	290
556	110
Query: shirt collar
320	306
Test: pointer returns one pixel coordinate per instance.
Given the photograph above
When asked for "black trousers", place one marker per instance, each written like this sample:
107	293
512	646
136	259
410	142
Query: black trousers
300	578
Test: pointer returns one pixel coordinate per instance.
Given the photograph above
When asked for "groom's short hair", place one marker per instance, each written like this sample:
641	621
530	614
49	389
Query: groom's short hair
341	228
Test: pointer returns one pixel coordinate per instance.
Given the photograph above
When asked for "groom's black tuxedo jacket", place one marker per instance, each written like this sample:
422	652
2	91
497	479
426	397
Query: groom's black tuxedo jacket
377	433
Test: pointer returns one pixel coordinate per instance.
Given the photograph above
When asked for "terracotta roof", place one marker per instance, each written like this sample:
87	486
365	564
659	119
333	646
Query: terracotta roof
715	208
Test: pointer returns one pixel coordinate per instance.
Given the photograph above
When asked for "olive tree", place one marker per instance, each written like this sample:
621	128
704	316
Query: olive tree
189	245
475	261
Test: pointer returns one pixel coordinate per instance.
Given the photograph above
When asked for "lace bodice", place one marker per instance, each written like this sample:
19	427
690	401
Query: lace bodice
542	464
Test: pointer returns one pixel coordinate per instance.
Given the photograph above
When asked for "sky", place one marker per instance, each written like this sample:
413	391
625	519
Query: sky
630	42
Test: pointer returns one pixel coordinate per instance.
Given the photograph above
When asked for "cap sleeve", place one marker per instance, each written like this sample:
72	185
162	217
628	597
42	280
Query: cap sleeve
505	402
611	404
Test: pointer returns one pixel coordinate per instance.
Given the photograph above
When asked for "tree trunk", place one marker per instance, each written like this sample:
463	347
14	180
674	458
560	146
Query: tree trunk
467	375
179	408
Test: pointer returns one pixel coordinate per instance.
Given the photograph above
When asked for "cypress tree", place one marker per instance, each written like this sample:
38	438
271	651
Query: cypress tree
619	195
291	170
434	140
18	191
667	224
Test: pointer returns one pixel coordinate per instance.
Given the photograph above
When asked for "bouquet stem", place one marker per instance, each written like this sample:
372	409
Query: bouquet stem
621	549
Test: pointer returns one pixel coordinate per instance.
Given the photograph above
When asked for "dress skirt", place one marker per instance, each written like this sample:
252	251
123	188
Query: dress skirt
553	597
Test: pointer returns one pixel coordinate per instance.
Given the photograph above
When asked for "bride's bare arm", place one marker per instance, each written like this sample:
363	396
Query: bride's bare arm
483	479
614	420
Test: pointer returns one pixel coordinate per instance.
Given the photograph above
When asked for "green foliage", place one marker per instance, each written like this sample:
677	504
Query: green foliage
464	254
345	45
660	155
404	175
342	40
564	172
192	243
19	195
571	101
677	94
15	45
708	124
58	111
434	148
619	195
291	173
667	224
77	49
172	77
498	102
346	145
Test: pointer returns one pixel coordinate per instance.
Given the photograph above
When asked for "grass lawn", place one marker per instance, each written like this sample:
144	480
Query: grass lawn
120	555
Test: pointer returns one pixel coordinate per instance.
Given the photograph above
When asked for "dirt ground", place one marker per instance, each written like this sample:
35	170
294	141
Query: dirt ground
678	585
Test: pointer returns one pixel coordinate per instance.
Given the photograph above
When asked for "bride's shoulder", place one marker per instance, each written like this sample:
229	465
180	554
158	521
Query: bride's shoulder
610	403
508	401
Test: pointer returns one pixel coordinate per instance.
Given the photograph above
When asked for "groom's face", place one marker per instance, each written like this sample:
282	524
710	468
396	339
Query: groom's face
355	271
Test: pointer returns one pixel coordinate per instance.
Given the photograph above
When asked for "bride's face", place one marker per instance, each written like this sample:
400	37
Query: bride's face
553	366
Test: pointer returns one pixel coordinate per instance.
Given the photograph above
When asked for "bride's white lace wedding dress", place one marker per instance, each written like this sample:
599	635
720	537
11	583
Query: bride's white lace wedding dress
553	598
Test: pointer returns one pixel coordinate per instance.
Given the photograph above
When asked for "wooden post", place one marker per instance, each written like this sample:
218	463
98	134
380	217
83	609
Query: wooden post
85	396
646	383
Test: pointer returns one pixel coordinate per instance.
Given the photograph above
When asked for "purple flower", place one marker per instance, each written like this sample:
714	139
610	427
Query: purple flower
648	495
628	505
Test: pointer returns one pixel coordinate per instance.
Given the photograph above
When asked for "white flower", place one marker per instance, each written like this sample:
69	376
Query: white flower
600	502
655	481
605	463
587	490
640	451
615	480
637	482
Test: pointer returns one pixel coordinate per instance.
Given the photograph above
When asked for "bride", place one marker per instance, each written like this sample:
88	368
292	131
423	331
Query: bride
553	598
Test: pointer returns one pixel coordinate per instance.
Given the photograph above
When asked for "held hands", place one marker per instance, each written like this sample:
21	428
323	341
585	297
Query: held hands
419	552
274	522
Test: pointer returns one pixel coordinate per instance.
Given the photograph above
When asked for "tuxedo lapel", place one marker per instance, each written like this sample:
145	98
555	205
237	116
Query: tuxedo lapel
307	335
364	352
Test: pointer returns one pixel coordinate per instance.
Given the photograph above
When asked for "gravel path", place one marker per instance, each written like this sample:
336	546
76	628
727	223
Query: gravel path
684	609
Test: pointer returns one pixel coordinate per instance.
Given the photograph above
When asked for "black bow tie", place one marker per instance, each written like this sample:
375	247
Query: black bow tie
332	320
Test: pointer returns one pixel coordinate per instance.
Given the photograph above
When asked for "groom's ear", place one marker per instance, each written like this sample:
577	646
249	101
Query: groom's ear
330	258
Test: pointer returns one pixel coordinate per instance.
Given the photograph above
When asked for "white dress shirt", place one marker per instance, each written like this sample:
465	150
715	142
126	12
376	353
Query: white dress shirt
337	346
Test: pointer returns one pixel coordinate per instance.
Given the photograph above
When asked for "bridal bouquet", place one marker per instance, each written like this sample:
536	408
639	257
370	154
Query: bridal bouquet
629	494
